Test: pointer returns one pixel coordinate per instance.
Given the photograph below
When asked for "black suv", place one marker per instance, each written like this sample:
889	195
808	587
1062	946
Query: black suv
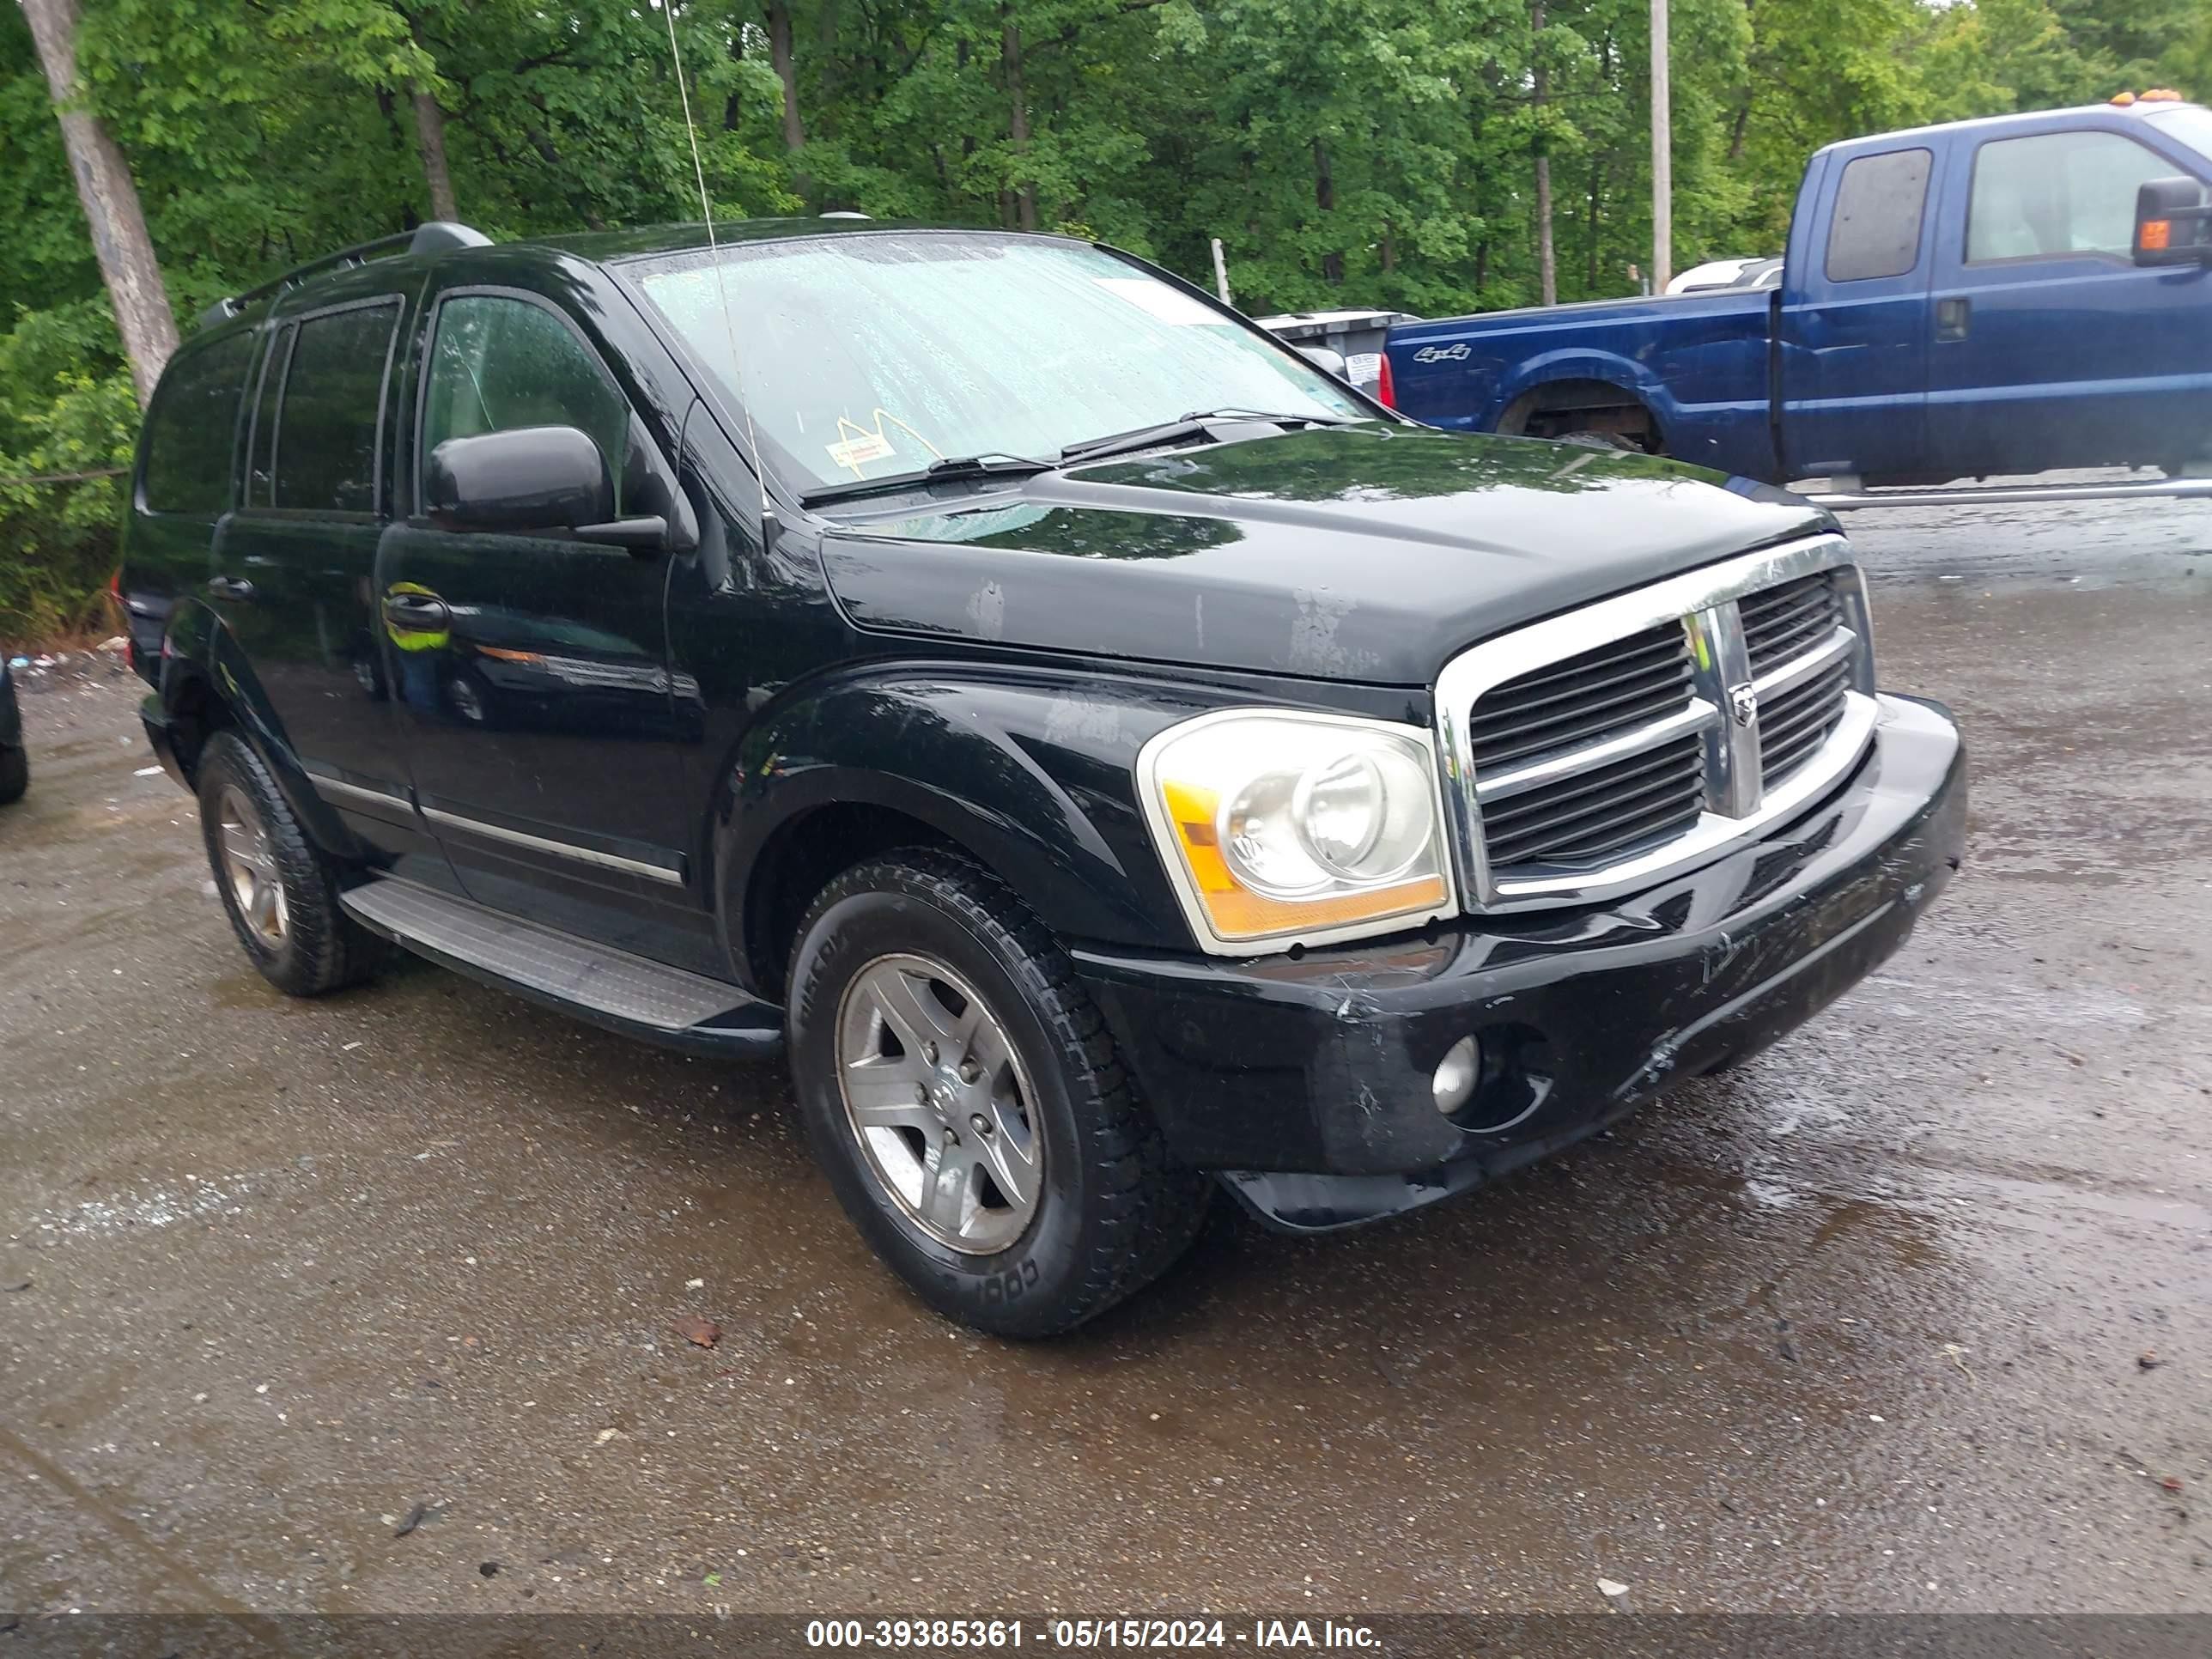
1108	753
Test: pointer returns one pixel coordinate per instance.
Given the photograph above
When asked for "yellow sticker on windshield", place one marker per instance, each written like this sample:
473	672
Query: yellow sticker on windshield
859	450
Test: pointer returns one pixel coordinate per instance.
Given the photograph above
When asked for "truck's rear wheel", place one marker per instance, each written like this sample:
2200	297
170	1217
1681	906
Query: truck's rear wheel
279	890
967	1102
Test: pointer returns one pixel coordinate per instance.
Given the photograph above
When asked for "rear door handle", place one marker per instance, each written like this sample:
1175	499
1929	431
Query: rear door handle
426	611
230	587
1952	317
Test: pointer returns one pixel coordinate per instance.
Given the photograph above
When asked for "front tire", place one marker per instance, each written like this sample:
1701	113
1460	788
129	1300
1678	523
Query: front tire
969	1105
14	774
279	890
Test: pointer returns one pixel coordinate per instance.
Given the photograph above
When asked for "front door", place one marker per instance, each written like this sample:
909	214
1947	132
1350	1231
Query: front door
2051	347
1853	341
531	671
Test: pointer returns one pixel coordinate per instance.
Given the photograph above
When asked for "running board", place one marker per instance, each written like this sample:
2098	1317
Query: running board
1998	495
632	994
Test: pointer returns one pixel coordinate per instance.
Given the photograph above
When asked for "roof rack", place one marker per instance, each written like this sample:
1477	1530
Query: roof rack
439	236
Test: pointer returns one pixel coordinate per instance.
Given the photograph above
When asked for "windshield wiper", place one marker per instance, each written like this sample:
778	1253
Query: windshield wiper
958	469
1196	424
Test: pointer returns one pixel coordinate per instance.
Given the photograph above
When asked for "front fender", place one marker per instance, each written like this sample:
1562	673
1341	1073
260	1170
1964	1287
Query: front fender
1030	772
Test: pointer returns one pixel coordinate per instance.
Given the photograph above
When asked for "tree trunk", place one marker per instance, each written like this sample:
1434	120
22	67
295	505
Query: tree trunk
127	263
786	71
1010	59
430	140
1548	265
387	105
1332	265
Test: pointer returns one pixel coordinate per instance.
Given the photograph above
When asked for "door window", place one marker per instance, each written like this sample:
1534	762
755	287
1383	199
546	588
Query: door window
1876	231
2058	193
261	424
332	402
195	421
499	363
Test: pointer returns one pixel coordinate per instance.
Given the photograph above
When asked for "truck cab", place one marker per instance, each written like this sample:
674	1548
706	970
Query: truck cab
1956	300
1963	300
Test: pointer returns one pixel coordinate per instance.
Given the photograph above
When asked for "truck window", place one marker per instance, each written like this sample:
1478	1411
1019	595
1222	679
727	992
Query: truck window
1876	231
2056	193
190	433
499	363
332	403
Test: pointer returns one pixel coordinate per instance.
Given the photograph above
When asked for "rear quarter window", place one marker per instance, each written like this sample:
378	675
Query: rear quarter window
1875	228
191	427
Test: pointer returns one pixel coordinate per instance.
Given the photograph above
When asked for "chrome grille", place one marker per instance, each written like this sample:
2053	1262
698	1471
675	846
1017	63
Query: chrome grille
1646	732
1608	692
1614	688
1783	621
1794	722
1586	817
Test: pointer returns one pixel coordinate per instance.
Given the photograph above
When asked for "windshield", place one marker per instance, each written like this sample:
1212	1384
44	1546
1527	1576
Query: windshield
869	354
2189	123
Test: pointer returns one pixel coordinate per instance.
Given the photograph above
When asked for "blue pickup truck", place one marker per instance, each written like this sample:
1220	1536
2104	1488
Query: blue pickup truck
1956	301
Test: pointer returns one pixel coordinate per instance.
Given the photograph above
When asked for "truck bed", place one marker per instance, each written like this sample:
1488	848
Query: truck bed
1699	360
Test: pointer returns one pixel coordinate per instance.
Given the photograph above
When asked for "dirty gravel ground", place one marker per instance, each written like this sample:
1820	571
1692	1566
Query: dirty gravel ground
1855	1327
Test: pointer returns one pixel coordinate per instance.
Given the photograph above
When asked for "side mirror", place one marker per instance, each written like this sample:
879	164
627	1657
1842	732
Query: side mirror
532	478
2170	222
1327	360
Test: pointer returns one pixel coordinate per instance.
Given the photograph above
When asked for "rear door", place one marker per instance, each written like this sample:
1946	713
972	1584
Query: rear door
532	670
1852	324
2052	348
294	568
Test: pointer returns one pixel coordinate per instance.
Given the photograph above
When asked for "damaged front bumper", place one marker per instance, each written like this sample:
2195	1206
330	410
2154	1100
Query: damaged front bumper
1307	1082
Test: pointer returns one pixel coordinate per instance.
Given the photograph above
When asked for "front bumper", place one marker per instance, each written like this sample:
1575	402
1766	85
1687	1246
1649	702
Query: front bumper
1307	1081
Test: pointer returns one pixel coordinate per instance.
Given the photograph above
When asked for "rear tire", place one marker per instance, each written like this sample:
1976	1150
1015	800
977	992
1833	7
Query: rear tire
279	890
14	774
995	1154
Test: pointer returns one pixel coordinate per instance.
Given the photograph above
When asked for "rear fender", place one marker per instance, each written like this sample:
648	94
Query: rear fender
205	682
1636	383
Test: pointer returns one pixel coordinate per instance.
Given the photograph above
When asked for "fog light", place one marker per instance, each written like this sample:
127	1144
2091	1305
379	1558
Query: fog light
1455	1075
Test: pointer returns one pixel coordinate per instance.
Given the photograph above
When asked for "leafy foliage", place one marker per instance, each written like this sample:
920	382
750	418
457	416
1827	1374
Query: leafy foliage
1346	152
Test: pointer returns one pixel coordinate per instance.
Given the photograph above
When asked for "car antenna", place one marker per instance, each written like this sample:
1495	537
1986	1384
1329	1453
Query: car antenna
768	526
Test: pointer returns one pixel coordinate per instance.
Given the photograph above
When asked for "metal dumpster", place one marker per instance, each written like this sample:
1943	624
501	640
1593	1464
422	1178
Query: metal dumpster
1357	335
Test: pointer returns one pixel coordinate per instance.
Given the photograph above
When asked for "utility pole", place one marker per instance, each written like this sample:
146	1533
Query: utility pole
1662	157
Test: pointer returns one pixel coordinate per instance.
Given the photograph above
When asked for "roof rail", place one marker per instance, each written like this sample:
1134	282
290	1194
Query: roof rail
438	236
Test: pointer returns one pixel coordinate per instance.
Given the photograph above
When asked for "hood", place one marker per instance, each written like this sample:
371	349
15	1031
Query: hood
1372	552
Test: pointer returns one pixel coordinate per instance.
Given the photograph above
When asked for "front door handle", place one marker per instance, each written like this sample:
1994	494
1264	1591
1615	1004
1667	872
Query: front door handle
424	612
1952	317
230	587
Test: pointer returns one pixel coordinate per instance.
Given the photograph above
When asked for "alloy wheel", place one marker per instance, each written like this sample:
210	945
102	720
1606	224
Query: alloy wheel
249	865
940	1103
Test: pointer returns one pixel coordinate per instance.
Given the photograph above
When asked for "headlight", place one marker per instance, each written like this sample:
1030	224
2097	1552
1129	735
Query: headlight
1295	827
